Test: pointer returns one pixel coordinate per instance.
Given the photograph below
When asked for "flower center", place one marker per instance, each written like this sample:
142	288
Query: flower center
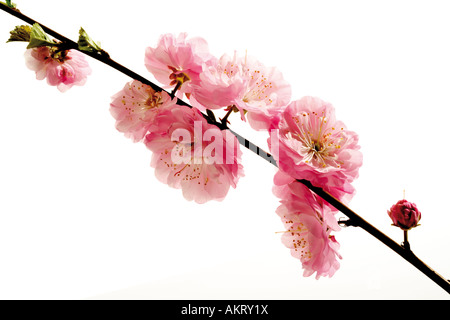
58	55
154	100
319	140
298	239
257	87
177	76
317	146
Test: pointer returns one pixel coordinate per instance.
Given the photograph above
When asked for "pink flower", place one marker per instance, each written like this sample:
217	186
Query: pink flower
192	155
405	215
135	108
311	144
309	223
62	69
177	59
245	84
296	196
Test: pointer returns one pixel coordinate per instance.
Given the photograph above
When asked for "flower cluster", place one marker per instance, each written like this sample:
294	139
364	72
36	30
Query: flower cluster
189	152
309	222
304	137
235	83
310	144
193	152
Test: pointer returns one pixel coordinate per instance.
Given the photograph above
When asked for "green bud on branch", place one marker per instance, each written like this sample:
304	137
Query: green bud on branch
10	4
85	43
20	33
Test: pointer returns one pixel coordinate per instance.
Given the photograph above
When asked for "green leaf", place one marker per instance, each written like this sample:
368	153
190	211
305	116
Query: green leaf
20	33
85	43
38	38
10	4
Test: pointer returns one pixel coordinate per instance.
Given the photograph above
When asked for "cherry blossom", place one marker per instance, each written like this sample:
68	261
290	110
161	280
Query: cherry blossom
311	144
244	84
62	68
176	59
193	155
309	223
135	108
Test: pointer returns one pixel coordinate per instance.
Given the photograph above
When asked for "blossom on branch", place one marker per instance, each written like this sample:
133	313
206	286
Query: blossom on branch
245	84
62	68
177	59
193	155
135	108
312	145
309	223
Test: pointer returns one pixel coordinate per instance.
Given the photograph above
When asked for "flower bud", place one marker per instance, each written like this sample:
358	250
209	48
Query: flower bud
404	215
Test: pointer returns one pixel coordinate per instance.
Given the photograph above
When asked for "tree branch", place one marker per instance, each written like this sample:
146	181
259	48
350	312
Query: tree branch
354	219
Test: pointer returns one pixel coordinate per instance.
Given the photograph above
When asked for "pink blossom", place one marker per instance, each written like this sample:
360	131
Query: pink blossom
62	69
405	215
311	144
192	155
245	84
309	223
296	196
135	108
177	59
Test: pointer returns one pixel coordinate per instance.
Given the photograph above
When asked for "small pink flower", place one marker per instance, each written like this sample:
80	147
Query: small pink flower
247	85
62	69
311	144
192	155
405	215
309	223
177	58
135	108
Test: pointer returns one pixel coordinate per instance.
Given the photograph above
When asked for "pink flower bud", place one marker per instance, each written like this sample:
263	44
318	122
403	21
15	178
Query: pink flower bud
404	215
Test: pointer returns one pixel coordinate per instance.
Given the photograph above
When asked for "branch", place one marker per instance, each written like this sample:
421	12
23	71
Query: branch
354	219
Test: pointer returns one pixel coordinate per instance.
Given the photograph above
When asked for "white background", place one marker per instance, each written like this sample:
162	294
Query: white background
83	217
